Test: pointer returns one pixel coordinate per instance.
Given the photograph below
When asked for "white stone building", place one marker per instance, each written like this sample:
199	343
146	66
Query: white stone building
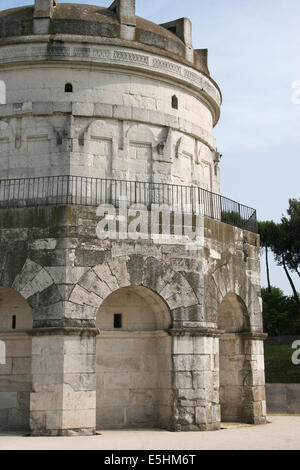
100	106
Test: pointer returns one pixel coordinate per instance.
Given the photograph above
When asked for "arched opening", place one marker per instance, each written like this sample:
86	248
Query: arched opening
15	369
68	88
134	388
234	319
2	92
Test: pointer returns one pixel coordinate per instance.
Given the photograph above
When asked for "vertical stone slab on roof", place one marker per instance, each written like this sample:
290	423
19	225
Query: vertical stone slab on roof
125	11
43	11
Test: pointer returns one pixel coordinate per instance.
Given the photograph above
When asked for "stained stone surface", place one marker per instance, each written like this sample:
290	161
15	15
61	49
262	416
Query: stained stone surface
65	299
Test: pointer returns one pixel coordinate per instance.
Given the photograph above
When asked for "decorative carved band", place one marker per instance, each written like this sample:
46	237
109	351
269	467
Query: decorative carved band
114	57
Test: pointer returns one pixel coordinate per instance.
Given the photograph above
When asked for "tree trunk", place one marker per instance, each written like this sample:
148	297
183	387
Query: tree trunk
268	271
295	293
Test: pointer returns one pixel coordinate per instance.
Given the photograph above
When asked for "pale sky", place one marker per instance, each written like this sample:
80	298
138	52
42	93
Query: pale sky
254	57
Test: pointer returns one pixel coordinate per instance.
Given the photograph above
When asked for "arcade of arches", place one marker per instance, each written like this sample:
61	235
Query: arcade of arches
139	363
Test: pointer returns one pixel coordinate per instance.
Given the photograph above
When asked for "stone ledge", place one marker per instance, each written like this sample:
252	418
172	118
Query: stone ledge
213	332
255	335
14	334
67	331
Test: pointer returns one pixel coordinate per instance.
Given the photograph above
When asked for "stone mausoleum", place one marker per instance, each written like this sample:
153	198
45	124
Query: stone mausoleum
107	118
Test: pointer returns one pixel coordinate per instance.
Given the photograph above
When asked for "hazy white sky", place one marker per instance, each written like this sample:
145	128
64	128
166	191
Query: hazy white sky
254	57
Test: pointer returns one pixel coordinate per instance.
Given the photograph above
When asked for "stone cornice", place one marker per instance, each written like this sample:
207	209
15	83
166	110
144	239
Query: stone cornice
213	332
14	334
96	40
67	331
252	335
107	55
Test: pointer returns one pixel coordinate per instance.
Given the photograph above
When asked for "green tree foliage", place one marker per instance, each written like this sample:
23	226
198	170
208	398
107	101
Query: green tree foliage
284	241
233	218
289	241
286	245
279	313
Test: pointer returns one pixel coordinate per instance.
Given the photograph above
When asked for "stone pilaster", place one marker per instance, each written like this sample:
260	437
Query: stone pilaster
63	400
195	356
254	349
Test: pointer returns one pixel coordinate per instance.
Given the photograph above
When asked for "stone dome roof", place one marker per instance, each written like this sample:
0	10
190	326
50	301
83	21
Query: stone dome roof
86	20
94	22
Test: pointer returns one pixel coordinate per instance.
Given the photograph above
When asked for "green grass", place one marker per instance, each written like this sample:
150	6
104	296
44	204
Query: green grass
279	366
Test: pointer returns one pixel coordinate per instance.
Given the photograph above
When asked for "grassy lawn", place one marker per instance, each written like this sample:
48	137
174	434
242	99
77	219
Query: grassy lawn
279	366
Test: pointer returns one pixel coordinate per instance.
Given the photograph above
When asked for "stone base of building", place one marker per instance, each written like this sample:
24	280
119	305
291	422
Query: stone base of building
199	427
63	432
185	352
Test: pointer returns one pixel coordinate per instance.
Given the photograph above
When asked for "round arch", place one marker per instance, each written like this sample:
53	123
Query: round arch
136	270
145	311
222	282
134	385
15	312
233	315
233	319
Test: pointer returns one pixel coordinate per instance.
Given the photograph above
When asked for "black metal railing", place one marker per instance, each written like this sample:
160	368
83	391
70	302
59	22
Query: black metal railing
78	190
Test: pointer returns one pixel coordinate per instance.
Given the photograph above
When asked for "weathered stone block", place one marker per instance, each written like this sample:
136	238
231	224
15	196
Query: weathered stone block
183	363
46	401
21	366
82	296
80	420
8	400
182	345
76	363
183	380
200	415
115	382
110	417
202	380
203	345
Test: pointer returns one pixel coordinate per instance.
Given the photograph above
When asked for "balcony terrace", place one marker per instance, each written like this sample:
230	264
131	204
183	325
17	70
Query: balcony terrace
87	191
